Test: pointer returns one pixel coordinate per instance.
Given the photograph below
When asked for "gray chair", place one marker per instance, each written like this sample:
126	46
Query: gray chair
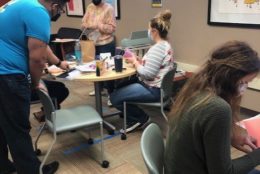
165	100
58	121
152	148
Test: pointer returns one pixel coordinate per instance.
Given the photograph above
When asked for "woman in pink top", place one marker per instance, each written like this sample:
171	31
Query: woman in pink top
100	17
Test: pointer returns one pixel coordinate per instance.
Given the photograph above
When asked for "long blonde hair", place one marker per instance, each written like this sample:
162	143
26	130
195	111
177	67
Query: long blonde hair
219	76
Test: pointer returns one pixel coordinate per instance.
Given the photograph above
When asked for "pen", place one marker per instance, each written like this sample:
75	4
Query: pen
104	59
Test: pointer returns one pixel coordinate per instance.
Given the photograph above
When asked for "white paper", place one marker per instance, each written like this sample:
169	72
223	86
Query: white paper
73	74
87	67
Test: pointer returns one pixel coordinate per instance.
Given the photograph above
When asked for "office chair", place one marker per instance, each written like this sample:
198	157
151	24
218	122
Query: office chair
63	49
58	121
152	148
165	100
68	33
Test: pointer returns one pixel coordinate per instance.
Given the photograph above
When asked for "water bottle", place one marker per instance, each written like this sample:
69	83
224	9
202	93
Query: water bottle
98	62
77	51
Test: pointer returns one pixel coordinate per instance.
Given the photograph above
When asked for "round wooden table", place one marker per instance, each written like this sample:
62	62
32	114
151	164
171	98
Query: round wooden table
107	75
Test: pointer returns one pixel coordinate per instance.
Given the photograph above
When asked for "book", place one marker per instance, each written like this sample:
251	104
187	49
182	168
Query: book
252	125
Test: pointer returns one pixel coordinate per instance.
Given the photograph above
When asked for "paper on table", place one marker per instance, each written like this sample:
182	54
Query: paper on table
87	67
53	69
252	126
73	74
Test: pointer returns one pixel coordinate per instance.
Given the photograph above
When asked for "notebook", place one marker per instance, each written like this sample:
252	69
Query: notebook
252	126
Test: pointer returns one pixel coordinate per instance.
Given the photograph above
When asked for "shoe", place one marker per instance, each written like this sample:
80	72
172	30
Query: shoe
39	116
92	93
50	168
109	102
10	169
134	125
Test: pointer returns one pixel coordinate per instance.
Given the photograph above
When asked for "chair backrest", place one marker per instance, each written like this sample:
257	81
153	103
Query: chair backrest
152	147
48	107
167	83
69	33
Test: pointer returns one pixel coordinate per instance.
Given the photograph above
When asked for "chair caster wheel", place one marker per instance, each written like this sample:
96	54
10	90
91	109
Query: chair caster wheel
90	141
123	137
111	132
105	164
121	115
38	152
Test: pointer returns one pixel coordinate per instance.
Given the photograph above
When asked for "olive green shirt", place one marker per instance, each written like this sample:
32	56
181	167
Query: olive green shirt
201	143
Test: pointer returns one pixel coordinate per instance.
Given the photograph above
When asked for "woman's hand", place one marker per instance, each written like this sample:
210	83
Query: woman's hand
131	59
243	142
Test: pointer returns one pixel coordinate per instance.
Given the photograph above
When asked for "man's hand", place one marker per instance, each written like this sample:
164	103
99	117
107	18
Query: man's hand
64	65
41	86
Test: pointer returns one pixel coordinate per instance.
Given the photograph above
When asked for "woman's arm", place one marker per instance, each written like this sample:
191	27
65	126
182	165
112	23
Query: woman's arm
216	140
108	25
153	61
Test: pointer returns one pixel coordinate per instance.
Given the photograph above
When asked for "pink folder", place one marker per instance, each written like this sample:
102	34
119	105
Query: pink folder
252	126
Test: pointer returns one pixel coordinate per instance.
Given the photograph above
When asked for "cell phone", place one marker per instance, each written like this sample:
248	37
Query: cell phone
66	73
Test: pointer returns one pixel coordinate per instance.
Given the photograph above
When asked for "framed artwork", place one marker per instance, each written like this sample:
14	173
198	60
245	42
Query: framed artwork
156	3
75	8
116	5
237	13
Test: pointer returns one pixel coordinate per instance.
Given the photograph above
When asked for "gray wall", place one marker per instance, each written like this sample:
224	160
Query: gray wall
190	35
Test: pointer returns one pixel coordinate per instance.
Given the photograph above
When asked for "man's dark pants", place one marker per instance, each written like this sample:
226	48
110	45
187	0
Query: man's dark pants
15	125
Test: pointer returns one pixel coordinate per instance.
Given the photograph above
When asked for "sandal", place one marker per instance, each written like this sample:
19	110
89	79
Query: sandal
39	116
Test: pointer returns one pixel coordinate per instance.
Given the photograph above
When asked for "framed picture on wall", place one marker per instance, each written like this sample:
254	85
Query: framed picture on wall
156	3
75	8
116	5
237	13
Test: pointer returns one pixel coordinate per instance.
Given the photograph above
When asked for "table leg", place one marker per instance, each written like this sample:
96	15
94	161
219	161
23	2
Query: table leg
110	128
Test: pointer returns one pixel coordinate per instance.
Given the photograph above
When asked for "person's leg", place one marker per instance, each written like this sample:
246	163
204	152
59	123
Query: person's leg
6	165
14	123
135	92
57	90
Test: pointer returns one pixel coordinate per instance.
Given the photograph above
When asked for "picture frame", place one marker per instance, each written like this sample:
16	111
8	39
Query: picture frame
75	8
234	13
116	5
156	3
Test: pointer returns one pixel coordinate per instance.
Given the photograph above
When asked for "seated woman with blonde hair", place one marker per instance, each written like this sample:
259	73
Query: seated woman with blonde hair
150	70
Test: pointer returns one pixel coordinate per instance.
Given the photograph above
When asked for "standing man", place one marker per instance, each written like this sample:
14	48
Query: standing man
100	17
24	38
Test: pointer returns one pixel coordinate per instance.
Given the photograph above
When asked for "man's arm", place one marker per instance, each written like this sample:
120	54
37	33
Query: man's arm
53	59
37	59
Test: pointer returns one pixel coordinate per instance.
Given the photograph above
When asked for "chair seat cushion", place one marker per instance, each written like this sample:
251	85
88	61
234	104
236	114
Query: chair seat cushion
76	118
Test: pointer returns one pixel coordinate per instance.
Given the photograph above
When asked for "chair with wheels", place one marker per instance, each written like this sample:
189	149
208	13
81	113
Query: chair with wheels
152	148
165	100
58	121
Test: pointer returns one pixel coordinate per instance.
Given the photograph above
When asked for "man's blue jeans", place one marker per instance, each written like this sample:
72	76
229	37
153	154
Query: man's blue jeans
135	92
15	125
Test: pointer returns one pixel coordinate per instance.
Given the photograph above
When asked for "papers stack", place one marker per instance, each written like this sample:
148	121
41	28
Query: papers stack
87	67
